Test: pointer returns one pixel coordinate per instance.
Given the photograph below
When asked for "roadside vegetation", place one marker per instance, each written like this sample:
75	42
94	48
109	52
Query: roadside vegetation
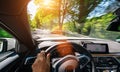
4	34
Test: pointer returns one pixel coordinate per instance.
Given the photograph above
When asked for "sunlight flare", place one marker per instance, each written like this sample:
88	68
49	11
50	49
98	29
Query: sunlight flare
32	8
47	2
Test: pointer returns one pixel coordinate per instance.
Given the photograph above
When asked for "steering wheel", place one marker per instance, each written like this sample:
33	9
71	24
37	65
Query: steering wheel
62	58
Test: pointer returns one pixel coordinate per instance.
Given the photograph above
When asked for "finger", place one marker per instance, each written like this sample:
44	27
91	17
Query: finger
41	56
48	58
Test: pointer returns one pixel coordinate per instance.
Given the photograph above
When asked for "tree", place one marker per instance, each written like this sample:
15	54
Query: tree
47	13
73	10
85	7
98	27
78	10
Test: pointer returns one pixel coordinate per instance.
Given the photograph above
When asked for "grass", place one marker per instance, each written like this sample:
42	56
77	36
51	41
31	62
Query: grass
5	34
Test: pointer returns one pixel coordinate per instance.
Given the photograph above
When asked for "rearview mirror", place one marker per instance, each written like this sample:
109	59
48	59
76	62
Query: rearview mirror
3	45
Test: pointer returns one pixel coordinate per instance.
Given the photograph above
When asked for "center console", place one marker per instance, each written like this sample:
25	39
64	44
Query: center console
103	63
106	64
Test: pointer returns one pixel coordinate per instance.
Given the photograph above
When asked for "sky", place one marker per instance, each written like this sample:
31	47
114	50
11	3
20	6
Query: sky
100	9
32	9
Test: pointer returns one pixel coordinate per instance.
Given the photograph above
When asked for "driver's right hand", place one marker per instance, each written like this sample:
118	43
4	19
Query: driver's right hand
42	63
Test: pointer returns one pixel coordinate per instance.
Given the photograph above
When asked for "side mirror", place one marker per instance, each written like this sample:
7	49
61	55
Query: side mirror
114	25
3	45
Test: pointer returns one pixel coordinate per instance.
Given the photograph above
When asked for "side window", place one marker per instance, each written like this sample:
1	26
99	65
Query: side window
7	41
1	45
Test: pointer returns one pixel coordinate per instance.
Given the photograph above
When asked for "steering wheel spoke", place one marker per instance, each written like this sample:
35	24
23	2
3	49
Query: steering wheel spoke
83	60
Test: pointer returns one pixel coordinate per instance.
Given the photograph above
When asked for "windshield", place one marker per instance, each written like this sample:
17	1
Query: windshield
80	17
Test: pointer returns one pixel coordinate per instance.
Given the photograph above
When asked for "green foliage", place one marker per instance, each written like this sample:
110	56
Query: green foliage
79	9
46	15
69	26
43	19
96	27
118	37
5	34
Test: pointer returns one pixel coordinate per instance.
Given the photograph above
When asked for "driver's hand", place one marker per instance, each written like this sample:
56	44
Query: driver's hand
42	63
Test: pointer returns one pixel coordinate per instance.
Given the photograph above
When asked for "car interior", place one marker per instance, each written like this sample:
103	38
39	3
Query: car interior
19	51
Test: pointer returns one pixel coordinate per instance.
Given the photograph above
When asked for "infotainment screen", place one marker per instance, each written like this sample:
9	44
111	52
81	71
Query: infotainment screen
97	47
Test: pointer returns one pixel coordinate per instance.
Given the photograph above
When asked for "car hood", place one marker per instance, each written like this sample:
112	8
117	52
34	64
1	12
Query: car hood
13	18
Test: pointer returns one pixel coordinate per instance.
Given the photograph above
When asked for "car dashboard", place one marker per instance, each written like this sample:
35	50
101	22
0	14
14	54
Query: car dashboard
100	51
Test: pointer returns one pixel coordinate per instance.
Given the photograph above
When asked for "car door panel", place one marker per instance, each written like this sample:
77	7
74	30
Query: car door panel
8	60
